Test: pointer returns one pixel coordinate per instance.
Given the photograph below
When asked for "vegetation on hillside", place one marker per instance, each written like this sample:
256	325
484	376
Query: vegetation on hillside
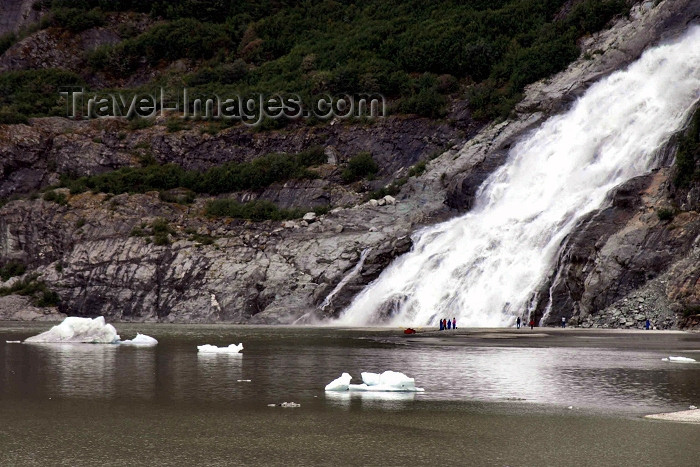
34	93
12	269
257	211
32	287
688	155
416	53
226	178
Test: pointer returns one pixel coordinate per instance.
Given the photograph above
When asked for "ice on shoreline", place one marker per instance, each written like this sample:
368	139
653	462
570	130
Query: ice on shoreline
78	330
231	349
141	340
679	360
389	381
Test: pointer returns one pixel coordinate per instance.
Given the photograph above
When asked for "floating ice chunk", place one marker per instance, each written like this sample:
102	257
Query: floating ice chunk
141	340
340	384
389	381
679	359
13	342
79	330
233	348
370	379
286	405
243	381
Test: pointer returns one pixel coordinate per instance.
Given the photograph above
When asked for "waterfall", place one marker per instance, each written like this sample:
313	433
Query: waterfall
354	272
485	266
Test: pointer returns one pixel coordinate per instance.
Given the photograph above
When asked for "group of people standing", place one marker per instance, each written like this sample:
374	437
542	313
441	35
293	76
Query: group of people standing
531	323
447	324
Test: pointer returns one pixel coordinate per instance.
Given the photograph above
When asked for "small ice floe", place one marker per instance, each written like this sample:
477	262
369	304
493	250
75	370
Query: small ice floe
78	330
340	384
389	381
571	407
231	349
141	340
243	381
692	407
13	342
286	405
679	360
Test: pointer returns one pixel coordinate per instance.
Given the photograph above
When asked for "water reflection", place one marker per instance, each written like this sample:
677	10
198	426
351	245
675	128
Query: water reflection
218	375
295	365
77	370
384	400
138	365
560	376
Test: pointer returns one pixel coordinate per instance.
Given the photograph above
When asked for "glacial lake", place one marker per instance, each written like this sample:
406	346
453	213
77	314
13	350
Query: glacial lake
572	400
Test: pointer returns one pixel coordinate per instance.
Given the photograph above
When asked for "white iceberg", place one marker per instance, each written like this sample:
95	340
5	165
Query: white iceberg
233	348
389	381
340	384
141	340
79	330
679	359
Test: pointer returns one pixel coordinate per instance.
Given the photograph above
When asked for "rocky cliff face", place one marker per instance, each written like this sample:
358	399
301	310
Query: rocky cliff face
91	253
32	156
16	14
625	264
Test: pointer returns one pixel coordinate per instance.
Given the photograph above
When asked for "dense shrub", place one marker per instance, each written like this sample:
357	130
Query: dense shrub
6	41
255	210
227	178
56	197
31	287
183	38
34	93
12	269
418	169
74	19
591	15
178	197
665	214
354	47
688	154
360	166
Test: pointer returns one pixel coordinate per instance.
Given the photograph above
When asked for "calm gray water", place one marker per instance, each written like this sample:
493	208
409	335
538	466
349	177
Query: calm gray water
169	405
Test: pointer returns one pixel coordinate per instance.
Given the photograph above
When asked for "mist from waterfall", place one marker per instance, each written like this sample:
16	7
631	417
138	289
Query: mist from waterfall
484	267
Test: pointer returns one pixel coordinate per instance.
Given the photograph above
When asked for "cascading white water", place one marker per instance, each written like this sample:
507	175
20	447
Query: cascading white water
351	275
485	266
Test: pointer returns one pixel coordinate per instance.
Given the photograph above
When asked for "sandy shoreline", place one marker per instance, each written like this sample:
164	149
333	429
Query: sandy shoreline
684	416
557	337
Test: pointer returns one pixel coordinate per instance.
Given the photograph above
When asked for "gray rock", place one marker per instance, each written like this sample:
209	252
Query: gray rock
18	308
